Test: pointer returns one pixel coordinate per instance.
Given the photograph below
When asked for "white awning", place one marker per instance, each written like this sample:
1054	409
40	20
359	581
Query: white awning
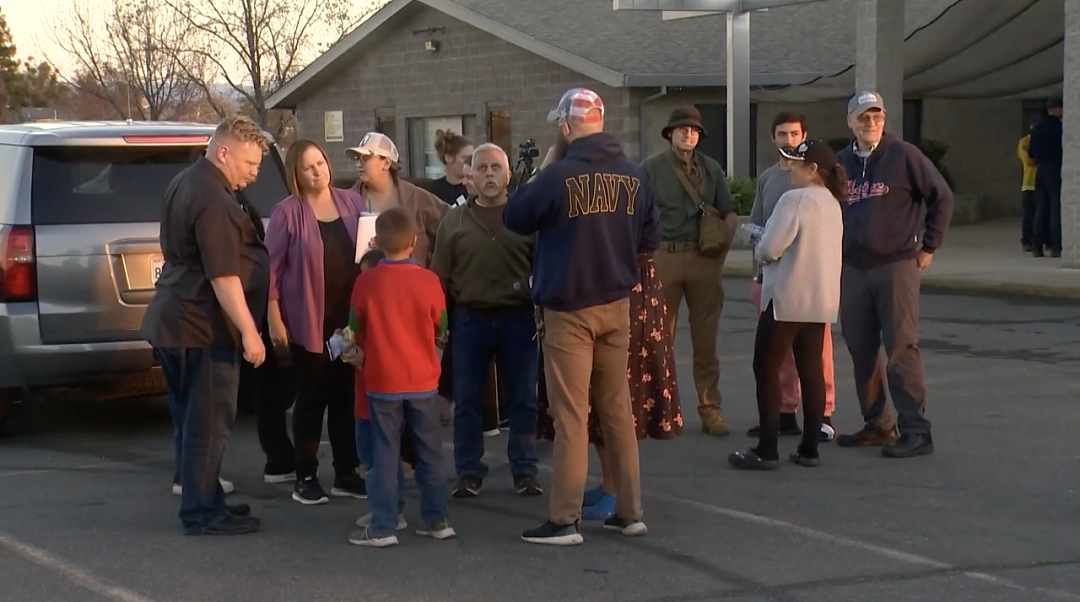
974	49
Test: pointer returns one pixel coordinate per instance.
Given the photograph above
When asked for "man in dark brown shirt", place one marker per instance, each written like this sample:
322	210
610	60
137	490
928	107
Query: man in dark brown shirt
203	319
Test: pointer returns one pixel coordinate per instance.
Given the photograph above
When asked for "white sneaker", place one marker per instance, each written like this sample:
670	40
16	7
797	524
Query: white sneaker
363	538
226	485
440	530
276	479
365	521
828	433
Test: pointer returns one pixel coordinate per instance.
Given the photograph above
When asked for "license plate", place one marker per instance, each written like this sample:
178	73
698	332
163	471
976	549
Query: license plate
156	264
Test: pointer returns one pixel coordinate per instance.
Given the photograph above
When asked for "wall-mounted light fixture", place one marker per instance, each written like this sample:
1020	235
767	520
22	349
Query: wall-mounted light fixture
432	45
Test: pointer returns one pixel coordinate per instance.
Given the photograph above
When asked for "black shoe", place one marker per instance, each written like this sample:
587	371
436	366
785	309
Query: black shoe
468	487
309	492
1028	248
910	445
239	509
805	458
1055	253
868	437
550	534
750	460
1037	252
527	487
349	485
789	427
230	525
629	528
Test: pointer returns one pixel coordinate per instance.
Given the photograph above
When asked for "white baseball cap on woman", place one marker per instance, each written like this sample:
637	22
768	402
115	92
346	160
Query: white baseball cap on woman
374	143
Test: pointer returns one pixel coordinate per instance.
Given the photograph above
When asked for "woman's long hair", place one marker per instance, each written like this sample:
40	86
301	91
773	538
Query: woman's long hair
835	180
292	163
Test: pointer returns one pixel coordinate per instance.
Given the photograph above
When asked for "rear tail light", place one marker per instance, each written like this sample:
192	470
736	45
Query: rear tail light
18	268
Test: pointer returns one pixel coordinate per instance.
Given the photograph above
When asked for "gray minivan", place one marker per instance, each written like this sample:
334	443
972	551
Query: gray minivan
80	205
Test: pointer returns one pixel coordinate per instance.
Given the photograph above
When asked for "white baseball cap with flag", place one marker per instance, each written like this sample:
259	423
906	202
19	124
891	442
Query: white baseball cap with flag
578	104
374	143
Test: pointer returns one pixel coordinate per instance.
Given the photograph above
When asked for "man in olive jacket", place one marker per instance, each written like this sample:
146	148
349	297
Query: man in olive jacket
486	269
682	269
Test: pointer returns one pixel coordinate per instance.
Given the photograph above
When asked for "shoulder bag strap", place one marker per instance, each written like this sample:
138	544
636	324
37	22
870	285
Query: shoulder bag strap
690	190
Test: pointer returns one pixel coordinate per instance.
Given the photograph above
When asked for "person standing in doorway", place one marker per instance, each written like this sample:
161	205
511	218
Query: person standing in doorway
592	212
1027	193
686	183
312	242
485	268
1046	151
789	131
455	153
889	182
204	318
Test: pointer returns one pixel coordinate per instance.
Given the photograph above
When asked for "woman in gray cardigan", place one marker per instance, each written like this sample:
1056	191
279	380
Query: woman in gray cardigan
801	251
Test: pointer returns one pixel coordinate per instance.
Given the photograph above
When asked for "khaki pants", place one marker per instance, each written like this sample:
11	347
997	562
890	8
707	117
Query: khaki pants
587	348
685	273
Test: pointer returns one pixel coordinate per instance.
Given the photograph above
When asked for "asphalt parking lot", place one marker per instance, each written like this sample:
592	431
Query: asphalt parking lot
86	513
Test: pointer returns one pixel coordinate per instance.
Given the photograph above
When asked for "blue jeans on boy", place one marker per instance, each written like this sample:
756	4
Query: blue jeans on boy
366	454
511	341
202	387
389	418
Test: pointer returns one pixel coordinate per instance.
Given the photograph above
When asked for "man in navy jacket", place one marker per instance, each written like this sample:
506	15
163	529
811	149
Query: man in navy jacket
1046	151
889	183
592	212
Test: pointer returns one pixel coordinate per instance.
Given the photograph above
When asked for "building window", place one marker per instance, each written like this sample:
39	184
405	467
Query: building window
385	123
423	160
499	131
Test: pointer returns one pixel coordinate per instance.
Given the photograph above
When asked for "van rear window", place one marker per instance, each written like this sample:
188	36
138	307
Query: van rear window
117	185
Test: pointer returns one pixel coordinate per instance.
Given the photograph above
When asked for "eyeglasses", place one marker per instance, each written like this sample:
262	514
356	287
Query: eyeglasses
875	118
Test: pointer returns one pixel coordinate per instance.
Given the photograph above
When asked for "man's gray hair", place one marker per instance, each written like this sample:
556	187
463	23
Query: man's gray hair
490	146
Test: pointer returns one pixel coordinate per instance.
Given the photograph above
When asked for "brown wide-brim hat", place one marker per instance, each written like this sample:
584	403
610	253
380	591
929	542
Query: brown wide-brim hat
683	117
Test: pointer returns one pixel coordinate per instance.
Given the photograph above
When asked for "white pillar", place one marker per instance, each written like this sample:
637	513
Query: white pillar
738	94
879	52
1070	170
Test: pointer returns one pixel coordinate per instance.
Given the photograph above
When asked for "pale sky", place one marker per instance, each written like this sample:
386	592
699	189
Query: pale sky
28	21
28	27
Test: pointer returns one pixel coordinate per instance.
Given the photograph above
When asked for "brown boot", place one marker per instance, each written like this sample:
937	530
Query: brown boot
712	422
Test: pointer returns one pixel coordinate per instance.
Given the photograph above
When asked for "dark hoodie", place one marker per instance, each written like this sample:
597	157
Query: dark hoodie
593	212
886	192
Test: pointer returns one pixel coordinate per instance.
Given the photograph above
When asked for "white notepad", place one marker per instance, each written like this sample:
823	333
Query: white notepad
365	234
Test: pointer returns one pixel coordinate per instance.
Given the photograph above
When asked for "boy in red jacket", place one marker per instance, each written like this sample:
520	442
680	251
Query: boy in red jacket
398	313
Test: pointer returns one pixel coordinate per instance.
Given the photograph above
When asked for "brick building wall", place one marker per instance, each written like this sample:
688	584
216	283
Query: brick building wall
473	70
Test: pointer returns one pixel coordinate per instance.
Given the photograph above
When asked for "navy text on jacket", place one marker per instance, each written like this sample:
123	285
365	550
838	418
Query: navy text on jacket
593	211
886	193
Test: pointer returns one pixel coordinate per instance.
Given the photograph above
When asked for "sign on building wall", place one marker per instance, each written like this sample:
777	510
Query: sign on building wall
333	126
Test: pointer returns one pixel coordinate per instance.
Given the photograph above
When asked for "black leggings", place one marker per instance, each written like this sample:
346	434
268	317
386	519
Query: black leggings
323	387
774	340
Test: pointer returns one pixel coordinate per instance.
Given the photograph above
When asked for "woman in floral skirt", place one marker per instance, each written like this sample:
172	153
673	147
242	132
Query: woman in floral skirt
654	394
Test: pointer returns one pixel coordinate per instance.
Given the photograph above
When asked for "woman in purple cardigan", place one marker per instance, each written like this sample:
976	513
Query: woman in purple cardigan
312	240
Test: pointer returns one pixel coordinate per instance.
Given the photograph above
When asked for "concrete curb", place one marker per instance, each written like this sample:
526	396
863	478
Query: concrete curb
951	284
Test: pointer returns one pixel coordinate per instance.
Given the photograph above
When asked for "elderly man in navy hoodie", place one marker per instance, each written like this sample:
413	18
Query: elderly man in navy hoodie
593	213
889	183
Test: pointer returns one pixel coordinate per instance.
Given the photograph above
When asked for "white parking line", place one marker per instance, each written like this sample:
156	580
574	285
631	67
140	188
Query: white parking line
76	574
494	460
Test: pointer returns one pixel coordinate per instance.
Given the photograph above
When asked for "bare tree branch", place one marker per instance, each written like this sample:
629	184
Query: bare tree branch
130	51
259	44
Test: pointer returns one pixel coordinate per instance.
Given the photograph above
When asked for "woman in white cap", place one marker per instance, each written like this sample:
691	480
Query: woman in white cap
801	254
381	188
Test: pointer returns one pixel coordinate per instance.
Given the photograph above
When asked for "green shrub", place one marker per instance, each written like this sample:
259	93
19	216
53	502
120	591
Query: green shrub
743	190
936	151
